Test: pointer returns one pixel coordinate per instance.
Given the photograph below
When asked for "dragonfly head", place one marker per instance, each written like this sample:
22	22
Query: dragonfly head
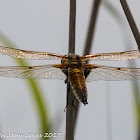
73	57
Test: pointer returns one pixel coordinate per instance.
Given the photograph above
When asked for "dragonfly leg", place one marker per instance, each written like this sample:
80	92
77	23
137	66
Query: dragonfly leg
68	91
68	104
66	81
73	102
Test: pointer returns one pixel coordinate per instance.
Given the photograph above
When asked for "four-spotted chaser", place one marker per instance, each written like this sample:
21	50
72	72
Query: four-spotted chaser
73	68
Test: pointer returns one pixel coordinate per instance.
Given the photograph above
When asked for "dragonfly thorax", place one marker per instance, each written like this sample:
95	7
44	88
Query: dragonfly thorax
73	60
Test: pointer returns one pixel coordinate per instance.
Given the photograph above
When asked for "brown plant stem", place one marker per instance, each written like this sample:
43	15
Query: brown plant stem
70	111
131	22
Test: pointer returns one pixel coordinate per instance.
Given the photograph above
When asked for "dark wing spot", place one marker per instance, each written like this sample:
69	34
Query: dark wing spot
118	68
30	67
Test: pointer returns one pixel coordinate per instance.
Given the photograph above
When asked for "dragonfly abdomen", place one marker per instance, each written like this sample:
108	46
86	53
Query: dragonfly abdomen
77	81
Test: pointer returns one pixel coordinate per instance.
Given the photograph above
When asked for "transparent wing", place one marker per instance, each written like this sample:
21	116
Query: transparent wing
36	72
135	54
112	73
28	54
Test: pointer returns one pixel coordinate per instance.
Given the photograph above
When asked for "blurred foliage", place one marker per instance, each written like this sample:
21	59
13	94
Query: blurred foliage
35	89
136	101
34	86
135	85
113	11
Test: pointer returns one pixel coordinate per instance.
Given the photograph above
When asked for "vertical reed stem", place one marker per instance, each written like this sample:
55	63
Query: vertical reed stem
131	21
70	111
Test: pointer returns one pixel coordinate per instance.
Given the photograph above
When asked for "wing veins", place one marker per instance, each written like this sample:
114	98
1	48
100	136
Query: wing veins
17	53
36	72
134	54
112	73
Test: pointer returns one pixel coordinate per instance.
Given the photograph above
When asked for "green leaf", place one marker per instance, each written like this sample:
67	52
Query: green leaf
35	89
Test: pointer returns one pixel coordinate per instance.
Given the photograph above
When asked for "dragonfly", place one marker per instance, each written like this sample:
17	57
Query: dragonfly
73	68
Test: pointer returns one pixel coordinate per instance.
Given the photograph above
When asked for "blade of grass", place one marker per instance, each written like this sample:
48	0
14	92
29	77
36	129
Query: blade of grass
35	89
136	35
115	13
